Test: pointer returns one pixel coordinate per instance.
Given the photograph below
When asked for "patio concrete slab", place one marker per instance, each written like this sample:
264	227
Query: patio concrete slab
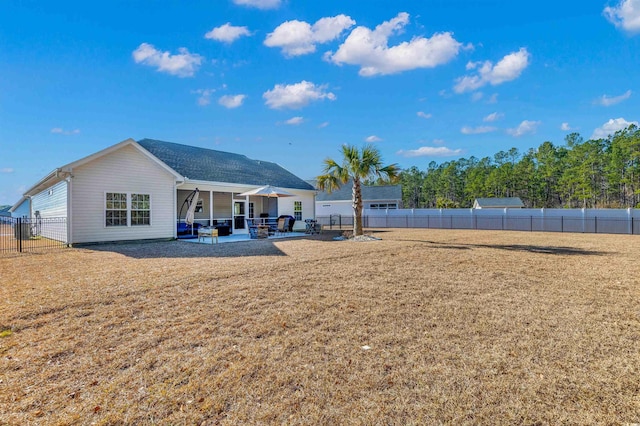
234	238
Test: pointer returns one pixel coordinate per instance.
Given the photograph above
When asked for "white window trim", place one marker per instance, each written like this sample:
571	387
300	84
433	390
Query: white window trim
298	211
129	225
130	205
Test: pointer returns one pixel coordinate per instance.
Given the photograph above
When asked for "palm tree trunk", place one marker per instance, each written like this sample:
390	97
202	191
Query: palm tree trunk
357	207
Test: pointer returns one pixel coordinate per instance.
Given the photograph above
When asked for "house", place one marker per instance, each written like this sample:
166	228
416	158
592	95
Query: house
376	197
136	191
4	211
21	209
498	203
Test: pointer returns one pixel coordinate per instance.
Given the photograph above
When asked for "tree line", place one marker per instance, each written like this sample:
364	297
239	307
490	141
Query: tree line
602	173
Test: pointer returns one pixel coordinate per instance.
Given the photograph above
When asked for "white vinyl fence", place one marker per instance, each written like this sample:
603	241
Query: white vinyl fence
600	221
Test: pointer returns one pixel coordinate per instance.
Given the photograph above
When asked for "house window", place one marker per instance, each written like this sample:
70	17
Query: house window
116	209
140	209
123	209
297	210
384	206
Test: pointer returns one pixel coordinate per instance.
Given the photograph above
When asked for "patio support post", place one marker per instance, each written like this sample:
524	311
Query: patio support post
211	207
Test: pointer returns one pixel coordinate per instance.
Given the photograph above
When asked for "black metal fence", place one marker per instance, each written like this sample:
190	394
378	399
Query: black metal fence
597	225
31	234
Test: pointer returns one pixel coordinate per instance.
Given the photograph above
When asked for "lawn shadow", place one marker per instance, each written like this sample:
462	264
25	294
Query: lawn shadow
555	250
181	249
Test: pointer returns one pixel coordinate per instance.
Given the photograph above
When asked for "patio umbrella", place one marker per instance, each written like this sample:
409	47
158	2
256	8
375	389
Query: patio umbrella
190	217
268	191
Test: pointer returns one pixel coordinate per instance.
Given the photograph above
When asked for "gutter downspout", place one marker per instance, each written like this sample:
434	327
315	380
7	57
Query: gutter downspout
69	209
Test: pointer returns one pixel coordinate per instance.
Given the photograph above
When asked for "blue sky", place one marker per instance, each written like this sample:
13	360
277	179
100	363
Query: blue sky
290	81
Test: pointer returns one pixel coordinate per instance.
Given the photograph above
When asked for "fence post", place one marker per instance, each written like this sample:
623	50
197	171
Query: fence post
19	234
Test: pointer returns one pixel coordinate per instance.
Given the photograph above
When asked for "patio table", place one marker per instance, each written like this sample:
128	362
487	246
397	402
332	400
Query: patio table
206	231
263	231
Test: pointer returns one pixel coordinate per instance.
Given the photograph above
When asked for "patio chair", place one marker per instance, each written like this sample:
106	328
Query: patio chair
283	225
312	226
253	232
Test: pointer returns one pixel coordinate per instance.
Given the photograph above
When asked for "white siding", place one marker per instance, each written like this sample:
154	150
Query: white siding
52	202
126	170
327	208
286	206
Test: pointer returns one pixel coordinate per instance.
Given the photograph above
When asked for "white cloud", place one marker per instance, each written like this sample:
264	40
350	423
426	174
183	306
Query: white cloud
232	101
605	100
525	128
610	127
205	96
323	125
296	95
369	49
625	15
494	116
61	131
430	151
565	127
508	68
423	114
372	138
476	96
299	38
259	4
493	99
477	130
294	121
227	33
183	64
6	170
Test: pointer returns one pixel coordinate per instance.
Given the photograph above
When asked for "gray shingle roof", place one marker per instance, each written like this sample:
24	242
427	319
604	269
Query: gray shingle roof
218	166
499	202
369	193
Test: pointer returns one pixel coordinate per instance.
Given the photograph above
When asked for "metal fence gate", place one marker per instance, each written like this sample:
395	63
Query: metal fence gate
31	234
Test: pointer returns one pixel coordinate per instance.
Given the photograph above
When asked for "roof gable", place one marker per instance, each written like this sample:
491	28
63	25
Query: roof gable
62	172
209	165
369	193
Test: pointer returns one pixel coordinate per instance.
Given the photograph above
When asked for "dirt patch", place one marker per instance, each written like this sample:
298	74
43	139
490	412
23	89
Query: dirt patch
421	327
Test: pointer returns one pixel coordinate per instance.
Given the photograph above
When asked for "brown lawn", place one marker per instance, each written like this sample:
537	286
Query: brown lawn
422	327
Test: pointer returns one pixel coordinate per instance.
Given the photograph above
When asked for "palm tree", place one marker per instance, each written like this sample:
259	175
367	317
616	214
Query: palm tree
357	166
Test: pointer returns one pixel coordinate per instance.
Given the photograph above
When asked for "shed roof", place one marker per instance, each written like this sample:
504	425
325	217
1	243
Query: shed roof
369	193
217	166
498	203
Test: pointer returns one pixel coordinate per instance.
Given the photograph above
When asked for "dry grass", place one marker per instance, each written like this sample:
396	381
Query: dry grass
472	327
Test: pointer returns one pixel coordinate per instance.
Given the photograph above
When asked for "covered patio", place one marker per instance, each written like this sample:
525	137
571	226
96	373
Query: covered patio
232	213
235	238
